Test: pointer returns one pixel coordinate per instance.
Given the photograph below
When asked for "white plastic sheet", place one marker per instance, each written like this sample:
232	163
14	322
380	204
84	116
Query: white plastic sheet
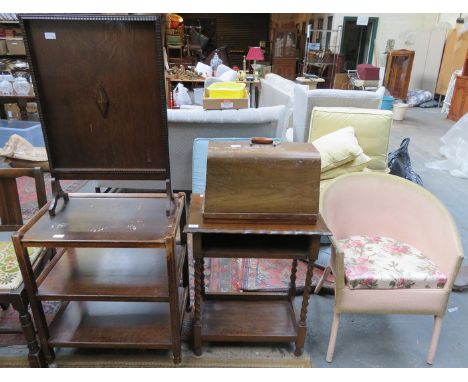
455	150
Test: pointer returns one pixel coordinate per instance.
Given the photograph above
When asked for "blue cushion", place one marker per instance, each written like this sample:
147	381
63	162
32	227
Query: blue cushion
199	159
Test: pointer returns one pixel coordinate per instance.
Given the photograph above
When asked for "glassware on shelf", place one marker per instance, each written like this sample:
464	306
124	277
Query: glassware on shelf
21	85
5	86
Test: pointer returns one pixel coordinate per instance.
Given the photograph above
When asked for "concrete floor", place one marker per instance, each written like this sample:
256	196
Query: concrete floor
402	340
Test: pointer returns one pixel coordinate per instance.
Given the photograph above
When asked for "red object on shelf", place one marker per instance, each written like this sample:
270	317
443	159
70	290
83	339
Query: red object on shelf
255	53
368	72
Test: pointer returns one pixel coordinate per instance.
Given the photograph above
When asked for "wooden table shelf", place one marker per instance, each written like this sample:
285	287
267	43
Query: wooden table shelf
259	321
242	246
108	274
114	324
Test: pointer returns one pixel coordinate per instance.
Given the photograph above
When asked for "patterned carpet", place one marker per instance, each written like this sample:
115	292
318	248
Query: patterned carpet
27	192
235	275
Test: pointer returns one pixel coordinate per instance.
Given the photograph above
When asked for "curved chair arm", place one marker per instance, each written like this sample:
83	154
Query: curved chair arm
337	263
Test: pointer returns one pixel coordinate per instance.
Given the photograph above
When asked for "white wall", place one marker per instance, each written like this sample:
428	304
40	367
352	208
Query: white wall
423	33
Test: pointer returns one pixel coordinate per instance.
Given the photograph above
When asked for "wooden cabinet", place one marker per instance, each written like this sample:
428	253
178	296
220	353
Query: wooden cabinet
398	72
459	104
284	58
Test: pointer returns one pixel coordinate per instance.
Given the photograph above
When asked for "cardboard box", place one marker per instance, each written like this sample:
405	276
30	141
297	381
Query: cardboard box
341	81
15	45
3	47
12	111
225	103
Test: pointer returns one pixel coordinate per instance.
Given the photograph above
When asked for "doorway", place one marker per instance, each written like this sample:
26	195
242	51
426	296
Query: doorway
357	43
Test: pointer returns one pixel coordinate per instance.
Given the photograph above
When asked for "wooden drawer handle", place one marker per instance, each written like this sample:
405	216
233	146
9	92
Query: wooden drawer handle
102	100
261	141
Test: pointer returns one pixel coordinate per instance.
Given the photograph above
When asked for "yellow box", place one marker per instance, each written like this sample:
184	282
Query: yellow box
226	90
225	103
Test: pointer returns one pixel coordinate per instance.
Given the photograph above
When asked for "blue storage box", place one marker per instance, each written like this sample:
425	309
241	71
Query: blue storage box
31	131
387	103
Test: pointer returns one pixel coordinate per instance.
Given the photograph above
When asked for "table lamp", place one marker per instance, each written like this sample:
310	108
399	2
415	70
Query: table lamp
255	53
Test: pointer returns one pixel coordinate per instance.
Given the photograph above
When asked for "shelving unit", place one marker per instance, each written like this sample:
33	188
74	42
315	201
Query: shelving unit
21	101
322	55
251	317
122	284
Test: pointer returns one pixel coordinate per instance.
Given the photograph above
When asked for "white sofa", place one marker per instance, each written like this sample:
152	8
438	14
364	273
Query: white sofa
299	101
184	125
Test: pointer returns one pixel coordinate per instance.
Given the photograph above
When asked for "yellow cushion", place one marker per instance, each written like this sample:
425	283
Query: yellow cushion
357	164
371	127
337	148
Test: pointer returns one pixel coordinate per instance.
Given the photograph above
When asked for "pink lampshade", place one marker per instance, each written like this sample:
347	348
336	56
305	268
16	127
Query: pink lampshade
255	53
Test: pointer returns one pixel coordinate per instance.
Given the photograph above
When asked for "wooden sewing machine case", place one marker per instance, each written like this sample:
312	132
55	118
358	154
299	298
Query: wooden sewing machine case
262	181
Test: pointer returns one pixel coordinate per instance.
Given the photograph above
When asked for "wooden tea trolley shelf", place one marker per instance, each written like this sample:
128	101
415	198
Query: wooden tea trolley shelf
123	282
258	317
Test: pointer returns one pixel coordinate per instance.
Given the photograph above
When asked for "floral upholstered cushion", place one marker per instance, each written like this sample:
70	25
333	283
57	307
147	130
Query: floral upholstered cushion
384	263
10	275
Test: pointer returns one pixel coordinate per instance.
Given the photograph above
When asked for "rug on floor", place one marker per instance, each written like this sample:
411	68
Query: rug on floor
254	275
9	321
214	355
27	192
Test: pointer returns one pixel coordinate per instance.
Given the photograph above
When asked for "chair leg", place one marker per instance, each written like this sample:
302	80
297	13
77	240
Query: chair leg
333	334
35	354
326	272
435	339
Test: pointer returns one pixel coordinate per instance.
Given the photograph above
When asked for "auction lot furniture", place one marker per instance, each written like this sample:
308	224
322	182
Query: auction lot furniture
251	317
117	272
11	283
400	256
119	268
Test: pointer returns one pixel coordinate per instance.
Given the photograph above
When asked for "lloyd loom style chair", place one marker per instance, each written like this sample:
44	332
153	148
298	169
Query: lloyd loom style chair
395	249
11	282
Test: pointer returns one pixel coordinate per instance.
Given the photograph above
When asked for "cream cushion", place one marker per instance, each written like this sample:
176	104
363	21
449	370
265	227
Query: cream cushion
371	127
337	148
357	164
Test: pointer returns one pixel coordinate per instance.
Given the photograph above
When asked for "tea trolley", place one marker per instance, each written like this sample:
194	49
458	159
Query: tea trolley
120	269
